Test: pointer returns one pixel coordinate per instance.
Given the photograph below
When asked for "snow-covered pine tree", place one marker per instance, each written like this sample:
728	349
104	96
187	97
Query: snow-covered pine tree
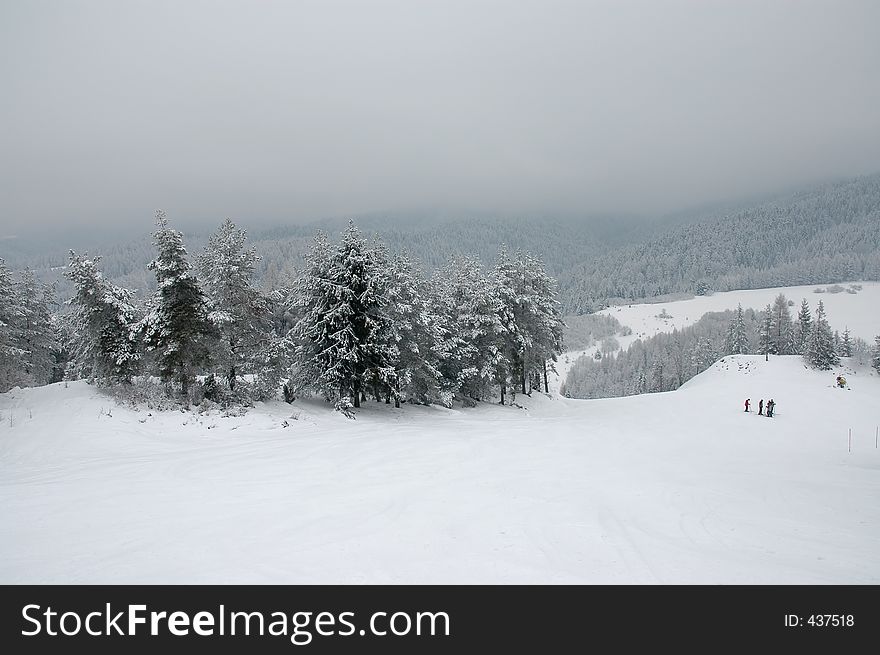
514	339
11	354
821	353
846	344
240	312
474	330
310	302
414	334
339	338
534	328
176	328
737	336
546	325
36	334
765	332
103	347
875	357
658	377
803	329
705	354
783	339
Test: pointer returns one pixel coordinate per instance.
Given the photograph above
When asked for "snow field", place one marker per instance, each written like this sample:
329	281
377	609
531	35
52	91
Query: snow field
667	488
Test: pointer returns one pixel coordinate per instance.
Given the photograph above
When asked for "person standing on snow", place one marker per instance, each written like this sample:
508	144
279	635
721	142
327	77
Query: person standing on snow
747	404
761	407
770	407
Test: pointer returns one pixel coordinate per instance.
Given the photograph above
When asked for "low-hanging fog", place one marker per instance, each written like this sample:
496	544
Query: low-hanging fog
292	111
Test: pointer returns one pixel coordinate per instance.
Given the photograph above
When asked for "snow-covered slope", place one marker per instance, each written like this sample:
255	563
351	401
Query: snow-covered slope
857	311
670	488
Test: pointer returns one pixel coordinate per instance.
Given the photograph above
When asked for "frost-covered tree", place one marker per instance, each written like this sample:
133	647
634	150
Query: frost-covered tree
737	342
415	337
11	353
705	354
846	344
875	359
534	326
803	329
339	339
102	344
240	312
545	325
765	334
820	352
176	328
783	338
37	333
475	328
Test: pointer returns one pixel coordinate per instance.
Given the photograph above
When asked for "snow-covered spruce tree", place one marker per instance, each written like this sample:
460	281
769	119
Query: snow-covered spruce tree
737	342
846	344
820	352
11	354
531	313
339	338
875	358
803	329
176	328
240	312
705	354
514	340
537	315
783	337
36	331
453	351
414	334
102	344
474	330
765	332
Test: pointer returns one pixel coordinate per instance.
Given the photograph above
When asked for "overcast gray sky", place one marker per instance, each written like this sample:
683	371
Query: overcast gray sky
297	110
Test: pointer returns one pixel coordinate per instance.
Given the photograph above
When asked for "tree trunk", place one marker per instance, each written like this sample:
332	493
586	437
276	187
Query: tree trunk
502	393
232	378
357	394
546	388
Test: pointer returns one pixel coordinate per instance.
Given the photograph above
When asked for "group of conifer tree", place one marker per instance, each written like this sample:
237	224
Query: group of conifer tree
780	334
356	323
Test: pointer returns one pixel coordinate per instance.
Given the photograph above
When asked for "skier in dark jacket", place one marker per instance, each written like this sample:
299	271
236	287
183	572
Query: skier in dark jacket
747	404
771	406
761	407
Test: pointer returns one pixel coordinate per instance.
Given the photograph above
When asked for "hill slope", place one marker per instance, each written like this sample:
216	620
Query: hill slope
666	488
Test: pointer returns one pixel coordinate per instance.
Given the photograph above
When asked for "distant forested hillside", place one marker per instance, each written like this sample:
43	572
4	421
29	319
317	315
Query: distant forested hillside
828	233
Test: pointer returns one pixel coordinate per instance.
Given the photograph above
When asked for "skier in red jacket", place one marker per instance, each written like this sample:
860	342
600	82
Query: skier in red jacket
747	404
